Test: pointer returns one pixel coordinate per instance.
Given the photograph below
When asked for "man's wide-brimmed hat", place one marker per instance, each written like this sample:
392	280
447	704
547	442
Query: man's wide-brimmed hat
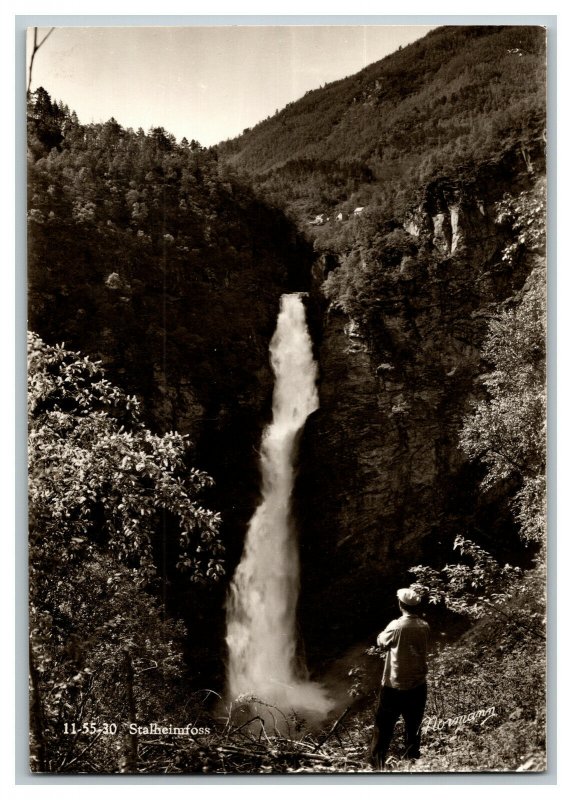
408	597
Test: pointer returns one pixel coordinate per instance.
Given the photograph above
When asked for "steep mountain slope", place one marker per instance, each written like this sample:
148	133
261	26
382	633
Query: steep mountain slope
455	98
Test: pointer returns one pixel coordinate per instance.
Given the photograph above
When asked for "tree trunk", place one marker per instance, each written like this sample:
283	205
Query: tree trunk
37	743
129	760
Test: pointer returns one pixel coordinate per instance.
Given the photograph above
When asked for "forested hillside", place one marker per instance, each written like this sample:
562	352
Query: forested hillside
457	98
137	223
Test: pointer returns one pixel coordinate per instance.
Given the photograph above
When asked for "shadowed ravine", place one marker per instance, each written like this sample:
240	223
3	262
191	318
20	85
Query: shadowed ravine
261	606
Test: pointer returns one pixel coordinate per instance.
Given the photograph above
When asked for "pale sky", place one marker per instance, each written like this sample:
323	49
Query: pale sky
205	83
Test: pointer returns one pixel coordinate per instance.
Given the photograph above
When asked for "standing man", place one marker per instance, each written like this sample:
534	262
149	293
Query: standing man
403	685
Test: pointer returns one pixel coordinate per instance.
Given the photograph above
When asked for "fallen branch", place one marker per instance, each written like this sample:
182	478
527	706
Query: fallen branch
333	730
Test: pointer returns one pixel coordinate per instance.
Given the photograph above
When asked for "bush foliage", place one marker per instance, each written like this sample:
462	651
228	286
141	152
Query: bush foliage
103	492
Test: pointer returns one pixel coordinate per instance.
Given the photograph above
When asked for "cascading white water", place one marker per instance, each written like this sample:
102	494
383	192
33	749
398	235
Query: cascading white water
261	607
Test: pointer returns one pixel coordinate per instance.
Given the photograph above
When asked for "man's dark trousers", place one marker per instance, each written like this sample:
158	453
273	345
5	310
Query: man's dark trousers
392	704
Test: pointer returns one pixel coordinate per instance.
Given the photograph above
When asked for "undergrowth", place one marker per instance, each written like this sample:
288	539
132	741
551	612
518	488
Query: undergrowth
485	710
485	713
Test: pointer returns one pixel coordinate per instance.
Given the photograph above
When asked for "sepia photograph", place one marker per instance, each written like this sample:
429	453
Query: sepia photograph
287	400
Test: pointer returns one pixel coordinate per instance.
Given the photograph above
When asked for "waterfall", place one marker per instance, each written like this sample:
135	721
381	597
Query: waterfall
261	606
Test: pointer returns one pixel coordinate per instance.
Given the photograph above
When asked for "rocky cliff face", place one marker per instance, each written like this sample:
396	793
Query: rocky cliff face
383	484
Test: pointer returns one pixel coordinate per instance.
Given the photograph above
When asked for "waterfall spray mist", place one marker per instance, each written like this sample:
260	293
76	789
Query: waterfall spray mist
261	607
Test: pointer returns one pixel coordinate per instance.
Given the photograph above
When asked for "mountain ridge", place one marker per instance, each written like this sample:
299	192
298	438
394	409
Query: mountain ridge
451	99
